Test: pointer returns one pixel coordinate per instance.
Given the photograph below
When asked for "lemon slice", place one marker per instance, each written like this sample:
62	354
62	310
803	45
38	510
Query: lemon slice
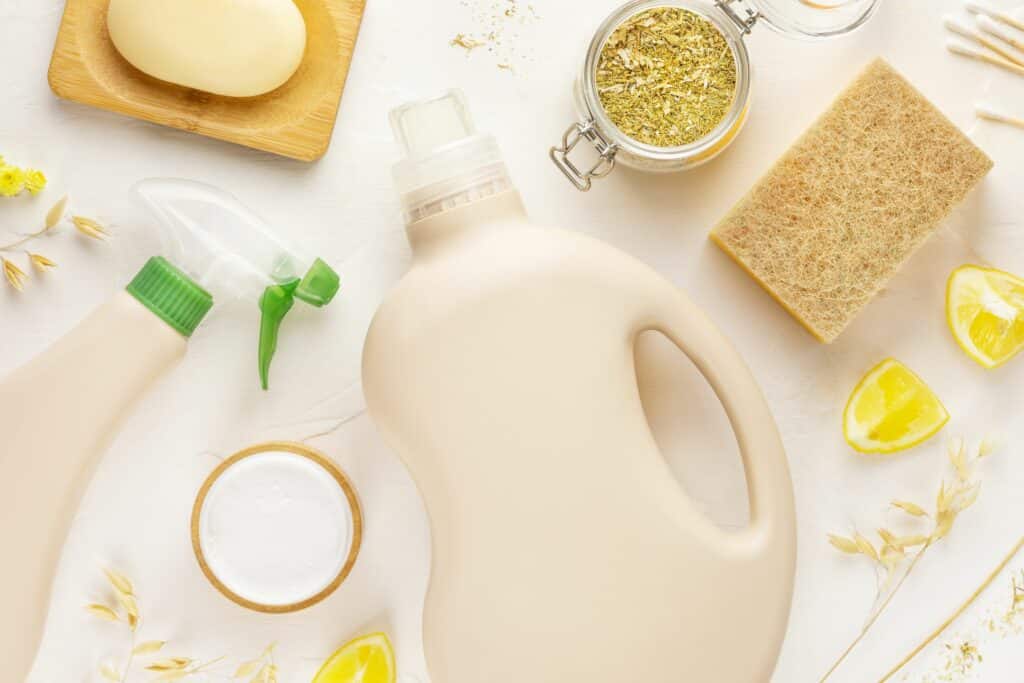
369	659
985	311
891	409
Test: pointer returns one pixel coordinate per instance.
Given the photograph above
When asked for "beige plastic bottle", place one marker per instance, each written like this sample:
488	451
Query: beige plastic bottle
501	369
57	414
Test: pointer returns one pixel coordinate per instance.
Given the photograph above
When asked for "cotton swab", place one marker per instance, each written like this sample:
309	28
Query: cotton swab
970	52
1002	17
986	112
993	29
967	32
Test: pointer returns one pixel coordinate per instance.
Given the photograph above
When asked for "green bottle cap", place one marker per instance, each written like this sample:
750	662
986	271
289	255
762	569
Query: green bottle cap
319	285
171	295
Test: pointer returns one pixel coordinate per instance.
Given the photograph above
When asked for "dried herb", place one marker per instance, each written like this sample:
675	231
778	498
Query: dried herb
465	42
666	77
496	26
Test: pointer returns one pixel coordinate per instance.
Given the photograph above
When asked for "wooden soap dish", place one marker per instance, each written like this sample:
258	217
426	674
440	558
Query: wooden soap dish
296	120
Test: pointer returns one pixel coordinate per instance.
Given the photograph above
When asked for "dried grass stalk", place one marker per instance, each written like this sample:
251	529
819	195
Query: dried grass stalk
172	664
15	275
41	262
89	227
910	508
149	647
952	499
1017	597
263	669
119	582
56	213
103	612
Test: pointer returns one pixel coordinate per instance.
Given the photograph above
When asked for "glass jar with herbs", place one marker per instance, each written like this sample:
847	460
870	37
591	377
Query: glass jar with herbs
666	83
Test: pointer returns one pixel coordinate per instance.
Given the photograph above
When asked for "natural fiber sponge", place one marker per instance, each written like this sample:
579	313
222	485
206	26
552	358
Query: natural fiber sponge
851	200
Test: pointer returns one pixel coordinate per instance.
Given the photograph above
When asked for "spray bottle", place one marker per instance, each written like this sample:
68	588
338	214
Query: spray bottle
60	410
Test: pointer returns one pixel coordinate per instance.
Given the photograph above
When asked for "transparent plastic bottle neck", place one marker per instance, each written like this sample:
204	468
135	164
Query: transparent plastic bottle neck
489	181
446	163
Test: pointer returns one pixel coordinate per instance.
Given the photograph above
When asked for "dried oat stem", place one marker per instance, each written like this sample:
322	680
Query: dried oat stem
172	668
959	611
27	238
130	659
953	498
877	614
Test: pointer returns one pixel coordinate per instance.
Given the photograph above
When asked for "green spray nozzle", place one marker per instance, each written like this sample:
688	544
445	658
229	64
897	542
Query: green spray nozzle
275	303
233	253
317	288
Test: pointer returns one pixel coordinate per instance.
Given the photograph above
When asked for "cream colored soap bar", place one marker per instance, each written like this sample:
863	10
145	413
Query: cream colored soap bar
238	48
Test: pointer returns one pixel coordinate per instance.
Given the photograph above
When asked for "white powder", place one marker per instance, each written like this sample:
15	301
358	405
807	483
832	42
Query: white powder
276	528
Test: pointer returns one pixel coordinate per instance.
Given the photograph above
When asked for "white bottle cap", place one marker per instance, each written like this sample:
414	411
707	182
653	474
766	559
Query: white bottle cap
446	162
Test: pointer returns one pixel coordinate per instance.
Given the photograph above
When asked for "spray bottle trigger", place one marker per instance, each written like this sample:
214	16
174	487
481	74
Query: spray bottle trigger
275	303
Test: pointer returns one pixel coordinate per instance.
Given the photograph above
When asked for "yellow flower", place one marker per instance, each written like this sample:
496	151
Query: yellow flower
15	275
41	262
12	180
35	180
89	227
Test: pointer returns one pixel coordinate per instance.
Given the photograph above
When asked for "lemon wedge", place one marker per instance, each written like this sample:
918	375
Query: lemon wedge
985	311
891	409
369	659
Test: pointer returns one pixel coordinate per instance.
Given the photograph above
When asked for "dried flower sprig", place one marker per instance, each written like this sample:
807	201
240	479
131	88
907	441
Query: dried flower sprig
14	180
16	276
895	553
262	669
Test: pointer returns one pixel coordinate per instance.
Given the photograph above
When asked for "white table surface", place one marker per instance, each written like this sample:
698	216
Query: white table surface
135	515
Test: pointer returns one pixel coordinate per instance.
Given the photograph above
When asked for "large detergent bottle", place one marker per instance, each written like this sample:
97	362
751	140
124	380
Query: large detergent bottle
60	410
501	369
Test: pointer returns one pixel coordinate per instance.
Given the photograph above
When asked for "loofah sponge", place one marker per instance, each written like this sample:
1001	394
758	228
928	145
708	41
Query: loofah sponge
851	200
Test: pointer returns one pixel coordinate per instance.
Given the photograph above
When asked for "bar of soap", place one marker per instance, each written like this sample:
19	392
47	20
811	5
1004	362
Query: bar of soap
849	203
238	48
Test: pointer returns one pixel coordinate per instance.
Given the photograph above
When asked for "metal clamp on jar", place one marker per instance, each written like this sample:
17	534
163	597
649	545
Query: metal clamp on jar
733	19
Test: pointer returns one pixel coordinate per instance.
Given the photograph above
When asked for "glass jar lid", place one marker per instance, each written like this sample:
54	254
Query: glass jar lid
803	18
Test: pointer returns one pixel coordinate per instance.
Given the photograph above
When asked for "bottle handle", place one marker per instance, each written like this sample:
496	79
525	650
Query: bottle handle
772	509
